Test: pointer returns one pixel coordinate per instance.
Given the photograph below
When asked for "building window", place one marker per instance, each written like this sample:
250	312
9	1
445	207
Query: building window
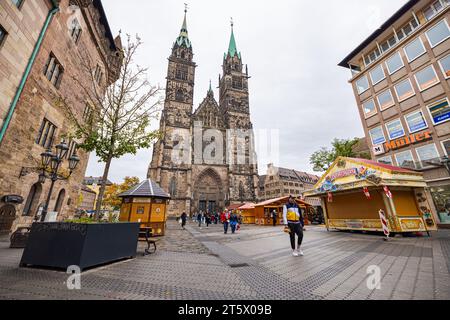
98	75
377	136
446	147
377	75
405	159
179	96
18	3
173	187
53	70
426	78
372	57
32	203
385	100
2	35
46	134
362	84
60	201
434	9
181	73
404	90
386	160
237	83
395	129
445	66
416	122
87	114
414	49
369	108
440	111
426	154
407	29
73	147
394	63
75	30
438	34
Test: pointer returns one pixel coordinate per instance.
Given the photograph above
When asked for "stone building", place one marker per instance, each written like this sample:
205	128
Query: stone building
282	182
72	31
196	160
87	199
401	82
94	184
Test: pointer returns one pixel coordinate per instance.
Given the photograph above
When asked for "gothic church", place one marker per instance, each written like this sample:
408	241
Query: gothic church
202	182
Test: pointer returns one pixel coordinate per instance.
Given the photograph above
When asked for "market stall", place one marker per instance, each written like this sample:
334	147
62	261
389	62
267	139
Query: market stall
145	203
248	213
353	191
263	210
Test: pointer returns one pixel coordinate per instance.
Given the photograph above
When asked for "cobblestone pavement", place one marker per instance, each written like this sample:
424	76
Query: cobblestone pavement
255	263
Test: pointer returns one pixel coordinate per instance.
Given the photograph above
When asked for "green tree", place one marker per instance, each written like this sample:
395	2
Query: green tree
324	158
119	123
111	197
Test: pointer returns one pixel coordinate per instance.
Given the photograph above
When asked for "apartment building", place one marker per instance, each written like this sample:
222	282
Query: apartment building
401	81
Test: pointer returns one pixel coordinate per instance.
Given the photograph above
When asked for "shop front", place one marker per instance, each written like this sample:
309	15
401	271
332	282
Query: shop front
146	204
441	198
248	213
263	210
353	191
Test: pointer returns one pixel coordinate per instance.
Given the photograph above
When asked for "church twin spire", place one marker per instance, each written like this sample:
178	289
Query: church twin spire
232	48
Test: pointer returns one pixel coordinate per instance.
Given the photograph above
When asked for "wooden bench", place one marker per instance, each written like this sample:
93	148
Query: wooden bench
147	234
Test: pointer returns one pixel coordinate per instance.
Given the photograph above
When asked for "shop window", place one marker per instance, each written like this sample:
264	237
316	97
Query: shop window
404	90
441	199
369	108
440	111
46	134
445	66
416	122
446	147
405	159
377	75
426	78
386	160
438	34
395	129
414	49
385	100
427	154
32	203
394	63
362	85
377	136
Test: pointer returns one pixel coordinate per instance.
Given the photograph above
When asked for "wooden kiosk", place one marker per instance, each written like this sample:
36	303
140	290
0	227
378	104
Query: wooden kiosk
264	209
353	191
248	213
145	203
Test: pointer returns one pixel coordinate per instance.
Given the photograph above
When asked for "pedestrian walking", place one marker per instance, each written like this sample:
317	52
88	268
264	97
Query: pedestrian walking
199	219
293	221
225	219
233	222
183	220
207	219
274	217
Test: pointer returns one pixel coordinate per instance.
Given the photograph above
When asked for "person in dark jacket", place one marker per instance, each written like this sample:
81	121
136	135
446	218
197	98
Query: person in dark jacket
199	219
183	220
234	220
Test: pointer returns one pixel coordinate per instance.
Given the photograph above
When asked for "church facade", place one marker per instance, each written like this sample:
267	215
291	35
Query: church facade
205	158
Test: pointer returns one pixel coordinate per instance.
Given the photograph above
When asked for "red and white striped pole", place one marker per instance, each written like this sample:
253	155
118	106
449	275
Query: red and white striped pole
384	224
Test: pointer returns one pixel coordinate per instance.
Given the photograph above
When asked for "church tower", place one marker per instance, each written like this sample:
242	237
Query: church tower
235	106
171	168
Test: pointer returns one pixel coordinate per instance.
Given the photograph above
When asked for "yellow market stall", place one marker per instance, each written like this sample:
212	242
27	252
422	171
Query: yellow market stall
145	203
353	191
248	213
264	209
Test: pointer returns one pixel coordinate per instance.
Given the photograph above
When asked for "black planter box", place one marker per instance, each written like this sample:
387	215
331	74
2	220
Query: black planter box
60	245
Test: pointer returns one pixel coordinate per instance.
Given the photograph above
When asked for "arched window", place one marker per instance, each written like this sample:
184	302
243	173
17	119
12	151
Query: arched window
173	187
60	200
32	202
179	96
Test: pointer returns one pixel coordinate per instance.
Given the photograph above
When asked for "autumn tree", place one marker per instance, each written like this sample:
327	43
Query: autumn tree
112	192
119	122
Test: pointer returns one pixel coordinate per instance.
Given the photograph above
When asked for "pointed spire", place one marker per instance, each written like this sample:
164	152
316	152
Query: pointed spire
183	38
210	91
232	48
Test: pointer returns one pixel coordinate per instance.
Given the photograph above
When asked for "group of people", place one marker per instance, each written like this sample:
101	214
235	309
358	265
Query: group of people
292	219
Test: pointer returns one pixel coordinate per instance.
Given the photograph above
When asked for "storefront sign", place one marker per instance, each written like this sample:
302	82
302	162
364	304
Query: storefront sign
408	140
344	173
440	111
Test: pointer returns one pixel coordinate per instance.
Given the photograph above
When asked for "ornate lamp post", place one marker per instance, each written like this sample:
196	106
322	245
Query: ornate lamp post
51	164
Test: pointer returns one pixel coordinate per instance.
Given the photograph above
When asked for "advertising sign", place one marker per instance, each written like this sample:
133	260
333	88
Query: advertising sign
440	111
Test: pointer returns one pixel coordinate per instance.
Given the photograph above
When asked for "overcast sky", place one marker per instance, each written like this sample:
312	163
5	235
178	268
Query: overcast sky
292	48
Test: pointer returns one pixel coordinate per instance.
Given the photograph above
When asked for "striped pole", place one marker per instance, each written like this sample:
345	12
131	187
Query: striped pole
384	224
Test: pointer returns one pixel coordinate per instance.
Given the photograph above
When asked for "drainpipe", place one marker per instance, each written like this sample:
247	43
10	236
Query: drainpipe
12	107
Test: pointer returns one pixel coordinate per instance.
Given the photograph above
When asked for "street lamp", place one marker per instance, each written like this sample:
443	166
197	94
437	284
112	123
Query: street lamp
51	164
